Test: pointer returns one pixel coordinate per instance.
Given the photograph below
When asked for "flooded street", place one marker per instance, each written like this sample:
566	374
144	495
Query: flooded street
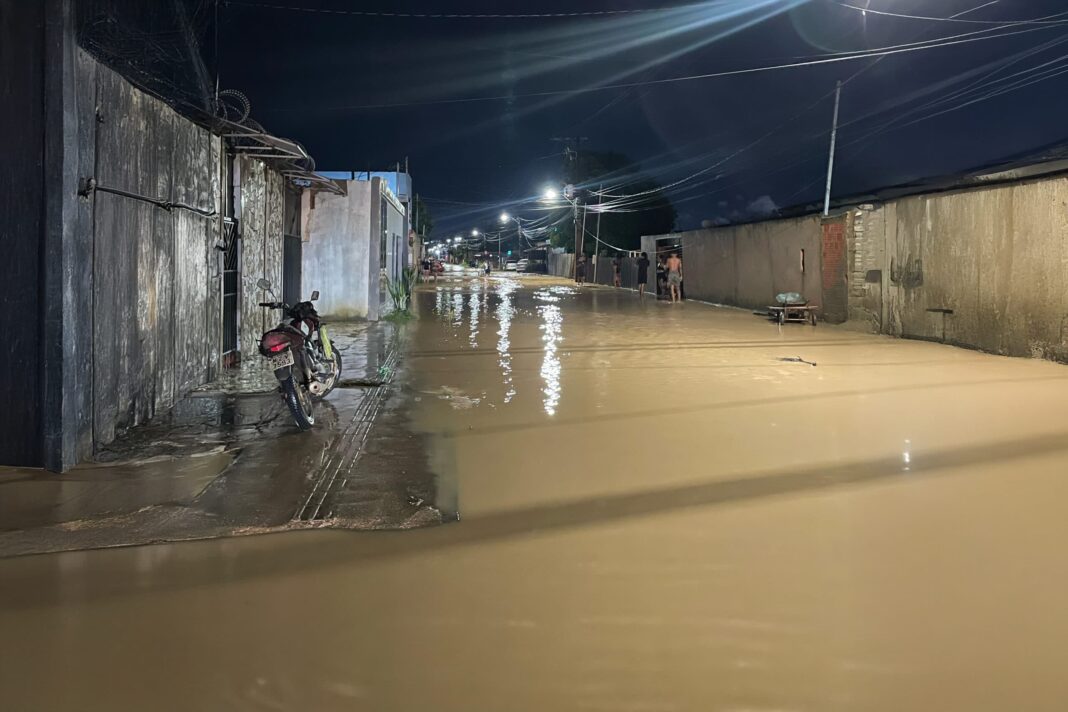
663	508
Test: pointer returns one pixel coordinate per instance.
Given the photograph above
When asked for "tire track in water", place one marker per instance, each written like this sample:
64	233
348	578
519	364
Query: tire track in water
344	453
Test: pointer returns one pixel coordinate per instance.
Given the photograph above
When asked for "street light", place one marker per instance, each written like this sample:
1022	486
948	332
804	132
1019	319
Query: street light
552	195
474	233
505	217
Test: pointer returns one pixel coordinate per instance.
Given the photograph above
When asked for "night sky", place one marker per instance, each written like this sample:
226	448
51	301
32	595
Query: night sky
478	142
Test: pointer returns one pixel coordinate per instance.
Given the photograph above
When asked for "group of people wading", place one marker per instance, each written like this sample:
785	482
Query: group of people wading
668	274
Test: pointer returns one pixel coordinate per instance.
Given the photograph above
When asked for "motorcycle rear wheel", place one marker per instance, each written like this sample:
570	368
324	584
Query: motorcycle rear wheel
299	402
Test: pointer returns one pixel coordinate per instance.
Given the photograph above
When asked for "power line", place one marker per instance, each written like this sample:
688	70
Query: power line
936	44
454	15
1037	21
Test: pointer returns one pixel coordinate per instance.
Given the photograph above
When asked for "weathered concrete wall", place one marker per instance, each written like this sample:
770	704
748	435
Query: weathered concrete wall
120	310
747	265
155	307
997	257
260	216
341	250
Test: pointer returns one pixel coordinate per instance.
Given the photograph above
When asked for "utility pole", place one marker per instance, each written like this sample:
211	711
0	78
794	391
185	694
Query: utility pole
830	160
578	240
597	247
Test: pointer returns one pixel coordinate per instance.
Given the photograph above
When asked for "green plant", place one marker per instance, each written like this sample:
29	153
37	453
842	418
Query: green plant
400	291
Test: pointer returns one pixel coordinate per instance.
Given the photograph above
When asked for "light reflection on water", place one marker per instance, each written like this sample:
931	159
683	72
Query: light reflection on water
458	308
439	302
474	304
552	334
505	314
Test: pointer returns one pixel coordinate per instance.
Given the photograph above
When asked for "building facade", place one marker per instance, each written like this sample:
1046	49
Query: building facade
353	244
136	239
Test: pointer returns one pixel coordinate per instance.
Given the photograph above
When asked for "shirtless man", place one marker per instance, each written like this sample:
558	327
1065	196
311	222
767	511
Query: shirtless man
674	277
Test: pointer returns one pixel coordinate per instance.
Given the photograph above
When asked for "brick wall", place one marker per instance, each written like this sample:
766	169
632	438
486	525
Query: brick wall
835	263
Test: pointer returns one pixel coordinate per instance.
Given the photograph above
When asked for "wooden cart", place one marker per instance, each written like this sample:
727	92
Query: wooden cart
794	313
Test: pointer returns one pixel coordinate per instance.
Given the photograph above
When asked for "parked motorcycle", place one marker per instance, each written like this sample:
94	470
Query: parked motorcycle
299	352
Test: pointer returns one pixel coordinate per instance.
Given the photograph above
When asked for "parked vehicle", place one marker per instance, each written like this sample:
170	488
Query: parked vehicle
299	352
521	265
510	266
537	261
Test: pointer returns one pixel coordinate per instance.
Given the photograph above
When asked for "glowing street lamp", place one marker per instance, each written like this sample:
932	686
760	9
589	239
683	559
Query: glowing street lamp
505	217
551	194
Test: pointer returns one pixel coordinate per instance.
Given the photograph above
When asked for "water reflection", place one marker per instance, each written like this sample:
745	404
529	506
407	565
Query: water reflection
440	303
458	308
505	314
552	334
474	304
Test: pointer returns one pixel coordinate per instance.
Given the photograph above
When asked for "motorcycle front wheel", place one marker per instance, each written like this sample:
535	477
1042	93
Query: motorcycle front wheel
332	383
299	402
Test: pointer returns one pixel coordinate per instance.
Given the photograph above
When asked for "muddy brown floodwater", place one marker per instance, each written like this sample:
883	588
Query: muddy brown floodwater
662	509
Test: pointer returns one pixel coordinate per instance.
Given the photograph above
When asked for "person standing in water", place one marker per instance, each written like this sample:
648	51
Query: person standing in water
643	273
617	274
674	277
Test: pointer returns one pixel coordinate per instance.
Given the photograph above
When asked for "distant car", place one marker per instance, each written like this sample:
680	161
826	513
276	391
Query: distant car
511	265
521	265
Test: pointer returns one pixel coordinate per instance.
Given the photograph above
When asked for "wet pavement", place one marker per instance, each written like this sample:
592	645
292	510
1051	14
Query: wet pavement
661	508
228	460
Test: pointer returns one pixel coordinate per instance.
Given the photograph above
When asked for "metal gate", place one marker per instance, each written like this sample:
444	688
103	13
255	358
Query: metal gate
231	295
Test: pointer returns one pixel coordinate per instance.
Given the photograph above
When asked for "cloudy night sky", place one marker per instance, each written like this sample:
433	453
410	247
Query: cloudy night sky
475	102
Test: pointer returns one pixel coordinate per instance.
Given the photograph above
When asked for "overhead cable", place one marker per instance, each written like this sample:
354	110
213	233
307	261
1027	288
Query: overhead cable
1036	21
454	15
674	80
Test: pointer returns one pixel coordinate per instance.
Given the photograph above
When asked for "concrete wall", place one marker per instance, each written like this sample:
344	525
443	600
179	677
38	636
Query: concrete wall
395	235
747	265
116	298
341	250
154	272
997	257
260	216
128	293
